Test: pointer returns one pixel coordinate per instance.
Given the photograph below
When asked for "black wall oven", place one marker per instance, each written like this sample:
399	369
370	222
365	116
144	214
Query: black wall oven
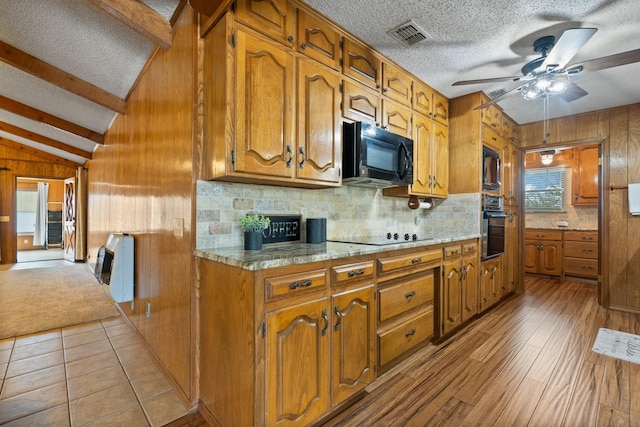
493	226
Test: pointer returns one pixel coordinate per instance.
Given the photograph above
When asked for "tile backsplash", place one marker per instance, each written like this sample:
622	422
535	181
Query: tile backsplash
350	211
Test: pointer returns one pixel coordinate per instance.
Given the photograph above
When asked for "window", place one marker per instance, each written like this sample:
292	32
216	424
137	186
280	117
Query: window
544	190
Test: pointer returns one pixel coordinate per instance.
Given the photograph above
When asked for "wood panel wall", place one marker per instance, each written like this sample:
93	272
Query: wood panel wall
619	130
20	164
141	182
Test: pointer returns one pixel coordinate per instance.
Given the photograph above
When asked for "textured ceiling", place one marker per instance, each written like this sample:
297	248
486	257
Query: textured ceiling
478	39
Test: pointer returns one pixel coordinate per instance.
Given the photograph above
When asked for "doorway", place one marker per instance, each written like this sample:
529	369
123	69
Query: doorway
38	214
562	188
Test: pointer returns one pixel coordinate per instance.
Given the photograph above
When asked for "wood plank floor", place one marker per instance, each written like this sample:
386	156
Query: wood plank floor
528	362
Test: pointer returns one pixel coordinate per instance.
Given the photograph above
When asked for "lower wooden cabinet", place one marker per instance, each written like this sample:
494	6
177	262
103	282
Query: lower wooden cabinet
543	252
459	290
490	283
580	254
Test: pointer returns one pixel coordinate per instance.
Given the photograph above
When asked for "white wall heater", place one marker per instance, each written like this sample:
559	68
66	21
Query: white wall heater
114	268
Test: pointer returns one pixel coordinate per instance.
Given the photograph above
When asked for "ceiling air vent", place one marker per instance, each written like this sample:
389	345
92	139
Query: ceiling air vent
497	93
408	33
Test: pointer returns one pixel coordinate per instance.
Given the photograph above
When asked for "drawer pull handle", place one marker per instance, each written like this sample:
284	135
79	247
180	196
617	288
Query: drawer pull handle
587	250
326	322
356	272
410	333
336	310
410	294
296	285
587	267
454	252
416	260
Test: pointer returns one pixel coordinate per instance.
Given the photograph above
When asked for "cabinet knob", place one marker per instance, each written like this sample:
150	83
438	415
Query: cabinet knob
410	294
303	45
416	260
353	273
290	39
410	333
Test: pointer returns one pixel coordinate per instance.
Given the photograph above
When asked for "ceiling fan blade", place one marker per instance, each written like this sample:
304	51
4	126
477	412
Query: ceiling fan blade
495	79
500	97
573	92
610	61
567	47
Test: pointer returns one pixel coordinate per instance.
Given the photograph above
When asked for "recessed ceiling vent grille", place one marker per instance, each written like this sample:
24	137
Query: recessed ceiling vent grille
409	33
496	93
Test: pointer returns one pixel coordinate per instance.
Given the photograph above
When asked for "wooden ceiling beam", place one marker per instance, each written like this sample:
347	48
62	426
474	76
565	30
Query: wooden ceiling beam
37	153
49	119
140	18
23	133
32	65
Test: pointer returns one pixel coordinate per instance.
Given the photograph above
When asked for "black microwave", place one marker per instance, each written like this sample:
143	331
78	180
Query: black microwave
490	169
375	157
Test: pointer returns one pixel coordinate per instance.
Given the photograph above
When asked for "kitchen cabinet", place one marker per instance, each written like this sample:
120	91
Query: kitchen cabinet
268	321
406	286
584	176
396	118
428	102
274	18
318	40
249	122
510	175
396	84
469	131
361	63
459	290
543	252
510	130
490	283
580	254
511	257
360	103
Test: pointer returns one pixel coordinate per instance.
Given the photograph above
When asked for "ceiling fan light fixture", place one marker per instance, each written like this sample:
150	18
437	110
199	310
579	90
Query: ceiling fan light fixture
545	84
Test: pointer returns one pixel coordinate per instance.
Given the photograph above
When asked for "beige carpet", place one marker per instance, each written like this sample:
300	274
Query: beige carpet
39	299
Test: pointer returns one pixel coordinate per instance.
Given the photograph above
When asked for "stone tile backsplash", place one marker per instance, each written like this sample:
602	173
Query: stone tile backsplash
350	211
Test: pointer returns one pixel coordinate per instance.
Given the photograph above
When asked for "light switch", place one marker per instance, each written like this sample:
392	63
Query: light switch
4	218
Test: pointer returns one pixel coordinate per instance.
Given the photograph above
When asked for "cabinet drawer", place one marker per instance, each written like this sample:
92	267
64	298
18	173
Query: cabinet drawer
395	341
469	248
580	267
581	249
543	235
581	236
397	299
490	138
352	272
296	283
386	265
452	251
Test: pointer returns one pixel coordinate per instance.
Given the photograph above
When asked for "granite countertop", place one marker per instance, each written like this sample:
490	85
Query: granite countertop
563	228
301	253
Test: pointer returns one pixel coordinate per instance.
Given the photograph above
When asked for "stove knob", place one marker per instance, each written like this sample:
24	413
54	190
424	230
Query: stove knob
395	236
389	236
406	236
414	237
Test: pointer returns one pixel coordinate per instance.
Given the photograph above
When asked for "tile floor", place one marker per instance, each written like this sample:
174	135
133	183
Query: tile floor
96	373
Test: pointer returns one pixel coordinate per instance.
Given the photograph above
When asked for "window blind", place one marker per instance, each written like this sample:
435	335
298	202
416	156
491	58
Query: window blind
544	189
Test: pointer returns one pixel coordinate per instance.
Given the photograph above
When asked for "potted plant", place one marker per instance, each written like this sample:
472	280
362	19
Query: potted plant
253	226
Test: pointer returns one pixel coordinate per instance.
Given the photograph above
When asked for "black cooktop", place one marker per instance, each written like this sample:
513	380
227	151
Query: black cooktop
387	239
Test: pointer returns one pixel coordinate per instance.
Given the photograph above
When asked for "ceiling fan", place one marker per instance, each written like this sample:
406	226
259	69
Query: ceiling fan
550	74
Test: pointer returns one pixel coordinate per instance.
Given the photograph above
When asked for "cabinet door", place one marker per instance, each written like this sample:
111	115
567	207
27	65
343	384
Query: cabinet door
396	84
440	160
451	296
319	150
353	342
584	178
470	285
264	139
551	258
318	40
440	109
531	255
272	17
396	118
510	257
360	103
297	368
422	99
361	63
490	283
422	155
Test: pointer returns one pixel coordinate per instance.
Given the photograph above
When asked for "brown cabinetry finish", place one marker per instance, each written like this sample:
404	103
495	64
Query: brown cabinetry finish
402	337
580	254
459	291
492	118
510	175
273	18
360	103
543	252
396	84
406	295
361	63
318	40
584	177
490	283
396	118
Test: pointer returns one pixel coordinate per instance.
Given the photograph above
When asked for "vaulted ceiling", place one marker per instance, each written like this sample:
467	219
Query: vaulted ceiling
68	66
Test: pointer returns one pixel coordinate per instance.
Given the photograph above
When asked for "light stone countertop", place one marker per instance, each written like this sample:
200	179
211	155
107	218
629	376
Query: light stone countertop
302	253
563	228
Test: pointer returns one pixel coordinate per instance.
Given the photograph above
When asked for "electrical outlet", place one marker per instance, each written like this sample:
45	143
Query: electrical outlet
418	220
148	312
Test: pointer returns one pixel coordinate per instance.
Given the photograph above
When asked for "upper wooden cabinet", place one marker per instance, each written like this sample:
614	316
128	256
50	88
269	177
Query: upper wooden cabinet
360	103
510	130
361	63
492	117
510	175
396	84
430	103
584	176
318	40
396	118
271	17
